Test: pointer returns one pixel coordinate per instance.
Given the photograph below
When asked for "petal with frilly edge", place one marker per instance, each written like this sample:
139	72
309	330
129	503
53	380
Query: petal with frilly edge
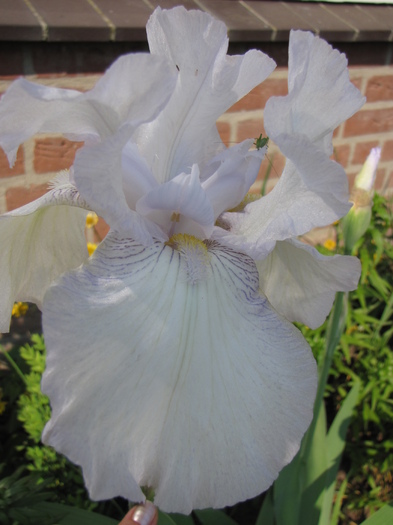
311	192
320	96
201	391
39	242
209	82
301	283
133	89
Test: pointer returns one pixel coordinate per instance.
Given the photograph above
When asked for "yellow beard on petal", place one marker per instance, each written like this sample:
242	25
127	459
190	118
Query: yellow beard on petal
194	254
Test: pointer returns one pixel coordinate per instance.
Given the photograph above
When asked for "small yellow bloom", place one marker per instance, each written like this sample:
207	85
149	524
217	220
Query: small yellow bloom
91	247
91	219
330	244
19	309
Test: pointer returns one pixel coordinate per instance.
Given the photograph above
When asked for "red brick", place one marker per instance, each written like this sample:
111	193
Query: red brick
357	82
362	151
369	121
341	154
248	129
387	151
258	97
224	129
54	154
380	178
380	88
19	166
19	196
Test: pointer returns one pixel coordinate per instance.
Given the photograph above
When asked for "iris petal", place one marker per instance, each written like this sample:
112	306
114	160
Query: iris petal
320	96
142	84
209	82
301	283
234	171
39	242
201	391
99	177
312	192
181	200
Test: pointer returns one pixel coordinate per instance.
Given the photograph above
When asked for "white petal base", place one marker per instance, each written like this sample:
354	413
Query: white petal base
201	391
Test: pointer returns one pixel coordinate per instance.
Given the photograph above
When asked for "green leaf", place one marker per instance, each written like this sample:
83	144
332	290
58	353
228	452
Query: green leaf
180	519
383	516
335	444
266	514
214	517
75	516
313	473
165	519
287	490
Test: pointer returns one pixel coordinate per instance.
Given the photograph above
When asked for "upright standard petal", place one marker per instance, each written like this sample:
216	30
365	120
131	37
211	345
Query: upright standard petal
39	242
320	96
133	89
207	363
209	82
301	283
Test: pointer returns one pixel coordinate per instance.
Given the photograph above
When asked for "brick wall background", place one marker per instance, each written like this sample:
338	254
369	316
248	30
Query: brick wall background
43	156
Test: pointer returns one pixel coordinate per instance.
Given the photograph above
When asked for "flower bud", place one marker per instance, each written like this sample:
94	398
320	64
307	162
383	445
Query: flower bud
357	220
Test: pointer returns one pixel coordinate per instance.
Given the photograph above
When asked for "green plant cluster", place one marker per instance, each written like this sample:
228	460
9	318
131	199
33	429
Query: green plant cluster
37	485
365	353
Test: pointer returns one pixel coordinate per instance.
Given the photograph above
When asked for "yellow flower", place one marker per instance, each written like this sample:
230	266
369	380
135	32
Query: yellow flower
19	309
91	247
330	244
91	219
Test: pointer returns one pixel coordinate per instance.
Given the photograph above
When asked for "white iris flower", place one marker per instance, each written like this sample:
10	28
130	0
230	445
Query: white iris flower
172	361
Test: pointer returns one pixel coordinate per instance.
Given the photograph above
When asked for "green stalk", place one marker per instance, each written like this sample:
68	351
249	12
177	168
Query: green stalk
15	367
266	177
332	339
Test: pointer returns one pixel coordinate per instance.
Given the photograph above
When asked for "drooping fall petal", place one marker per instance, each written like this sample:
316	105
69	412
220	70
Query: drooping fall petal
39	242
301	283
206	390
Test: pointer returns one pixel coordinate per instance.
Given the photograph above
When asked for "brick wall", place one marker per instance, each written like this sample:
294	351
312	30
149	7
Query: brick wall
43	156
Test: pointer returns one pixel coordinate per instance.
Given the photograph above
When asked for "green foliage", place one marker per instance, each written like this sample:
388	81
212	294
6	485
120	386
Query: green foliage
34	409
365	353
33	413
18	496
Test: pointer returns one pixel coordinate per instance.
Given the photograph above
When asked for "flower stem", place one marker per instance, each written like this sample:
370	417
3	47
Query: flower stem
333	335
15	367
